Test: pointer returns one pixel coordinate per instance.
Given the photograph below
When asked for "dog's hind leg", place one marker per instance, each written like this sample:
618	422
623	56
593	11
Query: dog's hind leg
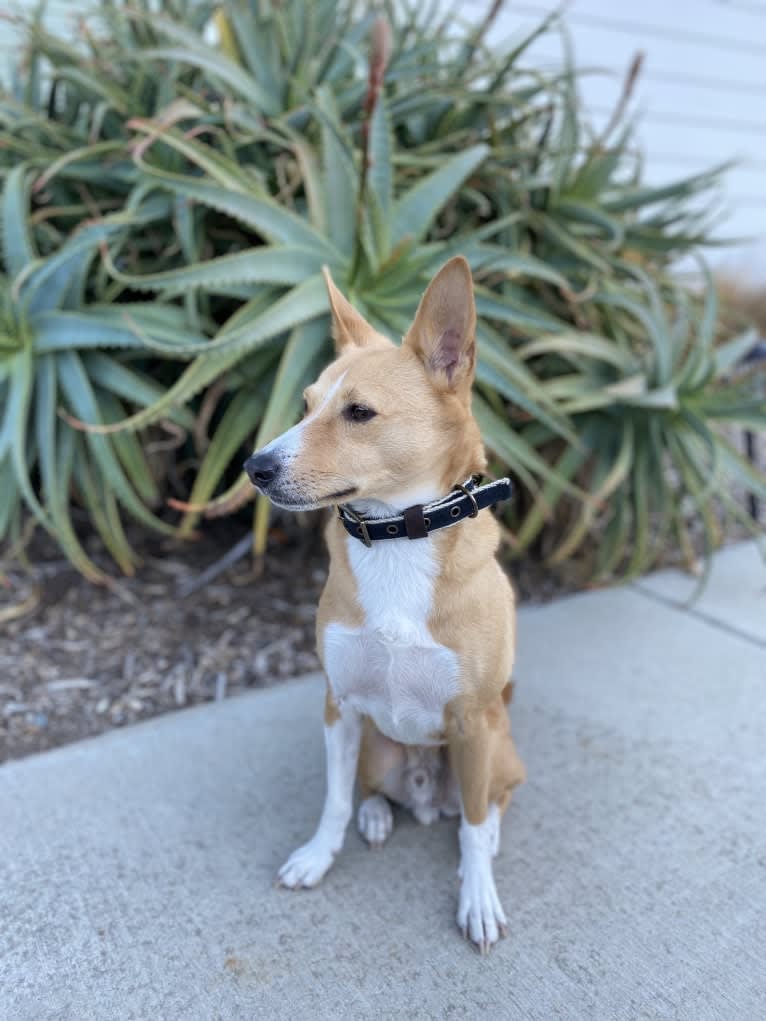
375	819
381	766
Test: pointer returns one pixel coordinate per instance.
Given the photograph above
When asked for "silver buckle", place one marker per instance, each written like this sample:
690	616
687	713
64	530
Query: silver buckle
361	523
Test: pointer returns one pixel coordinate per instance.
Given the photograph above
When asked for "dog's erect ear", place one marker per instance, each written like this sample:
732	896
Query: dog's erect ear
443	333
349	328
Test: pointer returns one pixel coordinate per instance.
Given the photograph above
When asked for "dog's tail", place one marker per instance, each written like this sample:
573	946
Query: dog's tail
507	692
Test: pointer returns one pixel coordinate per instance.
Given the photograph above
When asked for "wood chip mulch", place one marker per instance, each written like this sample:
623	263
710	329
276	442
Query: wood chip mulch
88	658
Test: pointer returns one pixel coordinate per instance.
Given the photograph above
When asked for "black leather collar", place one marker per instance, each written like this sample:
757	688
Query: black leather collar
419	521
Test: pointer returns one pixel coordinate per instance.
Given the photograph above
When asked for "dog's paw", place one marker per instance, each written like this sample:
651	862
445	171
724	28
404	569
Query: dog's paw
307	865
480	916
426	815
375	820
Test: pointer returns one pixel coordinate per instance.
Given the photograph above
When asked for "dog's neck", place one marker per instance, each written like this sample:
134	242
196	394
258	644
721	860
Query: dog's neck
422	494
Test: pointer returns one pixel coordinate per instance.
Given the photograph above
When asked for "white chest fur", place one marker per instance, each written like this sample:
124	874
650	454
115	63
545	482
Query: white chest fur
391	669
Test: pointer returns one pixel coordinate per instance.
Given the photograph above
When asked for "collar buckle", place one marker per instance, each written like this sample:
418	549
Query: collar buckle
361	524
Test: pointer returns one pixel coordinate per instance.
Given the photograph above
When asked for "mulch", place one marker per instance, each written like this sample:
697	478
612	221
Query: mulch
88	658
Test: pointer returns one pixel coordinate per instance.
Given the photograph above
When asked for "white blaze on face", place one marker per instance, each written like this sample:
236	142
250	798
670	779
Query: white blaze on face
287	446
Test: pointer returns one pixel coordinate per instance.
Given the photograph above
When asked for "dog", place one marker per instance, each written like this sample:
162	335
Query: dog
416	623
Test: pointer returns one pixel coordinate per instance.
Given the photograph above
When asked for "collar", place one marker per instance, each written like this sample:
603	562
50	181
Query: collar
465	501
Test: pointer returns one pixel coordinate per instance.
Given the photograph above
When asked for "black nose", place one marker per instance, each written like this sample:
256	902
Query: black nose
262	469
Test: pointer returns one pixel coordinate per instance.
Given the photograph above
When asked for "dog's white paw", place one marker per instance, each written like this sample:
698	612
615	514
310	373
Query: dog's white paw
375	820
426	815
480	916
307	865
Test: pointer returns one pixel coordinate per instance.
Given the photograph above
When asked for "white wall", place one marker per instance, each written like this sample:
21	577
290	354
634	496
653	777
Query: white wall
61	18
701	96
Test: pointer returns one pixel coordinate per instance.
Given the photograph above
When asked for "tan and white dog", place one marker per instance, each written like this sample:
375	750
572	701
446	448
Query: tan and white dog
416	636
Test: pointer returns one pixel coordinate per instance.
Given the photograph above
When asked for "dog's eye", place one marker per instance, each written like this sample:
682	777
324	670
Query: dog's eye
358	413
305	407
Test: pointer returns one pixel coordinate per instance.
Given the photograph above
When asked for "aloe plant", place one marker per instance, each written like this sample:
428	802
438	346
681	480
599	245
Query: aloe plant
221	178
58	366
376	245
647	407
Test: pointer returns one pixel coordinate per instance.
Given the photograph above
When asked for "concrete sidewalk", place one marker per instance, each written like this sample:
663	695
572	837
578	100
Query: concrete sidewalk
136	869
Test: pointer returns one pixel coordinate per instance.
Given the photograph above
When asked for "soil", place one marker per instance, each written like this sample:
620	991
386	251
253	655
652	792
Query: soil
78	659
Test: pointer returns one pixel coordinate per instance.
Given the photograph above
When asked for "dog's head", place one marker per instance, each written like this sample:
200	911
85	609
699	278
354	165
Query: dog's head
384	422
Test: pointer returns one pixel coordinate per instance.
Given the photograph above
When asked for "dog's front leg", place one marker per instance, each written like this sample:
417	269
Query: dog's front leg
307	865
480	915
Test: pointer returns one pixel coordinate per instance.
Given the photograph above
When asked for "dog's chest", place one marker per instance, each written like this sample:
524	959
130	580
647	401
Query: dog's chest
390	668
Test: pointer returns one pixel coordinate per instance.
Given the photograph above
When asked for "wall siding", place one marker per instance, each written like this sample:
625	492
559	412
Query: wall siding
700	99
61	17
